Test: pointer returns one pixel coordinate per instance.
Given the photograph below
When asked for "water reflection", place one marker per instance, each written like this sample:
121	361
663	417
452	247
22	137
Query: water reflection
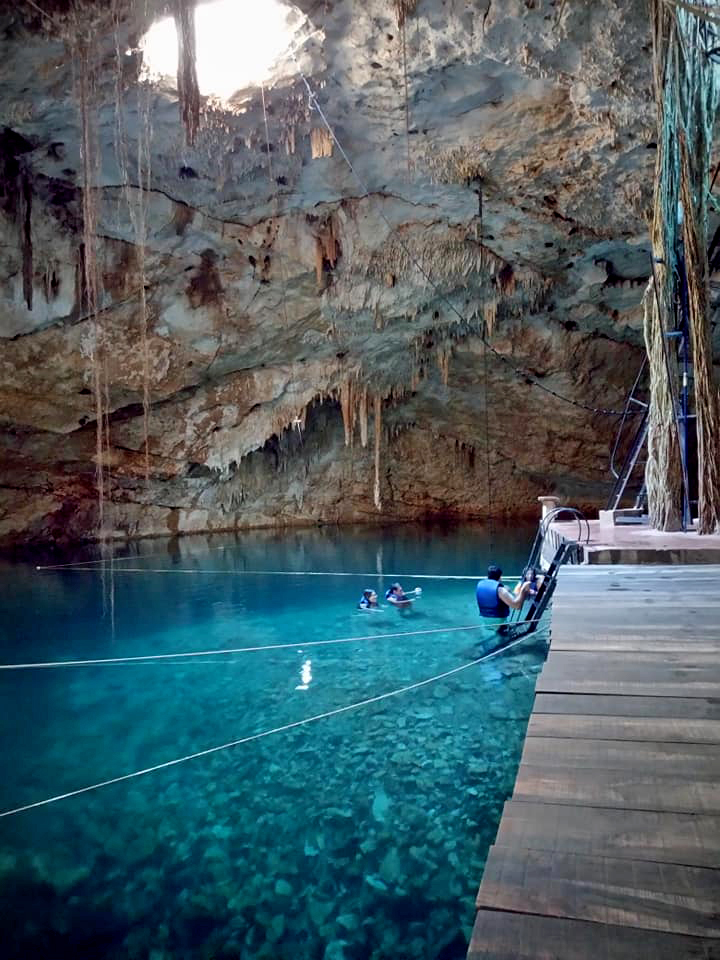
305	675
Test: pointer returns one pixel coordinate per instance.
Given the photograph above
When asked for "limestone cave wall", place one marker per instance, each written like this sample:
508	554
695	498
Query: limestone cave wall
312	345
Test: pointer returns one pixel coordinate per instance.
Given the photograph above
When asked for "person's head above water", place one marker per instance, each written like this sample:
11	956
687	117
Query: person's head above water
396	588
530	574
494	573
367	594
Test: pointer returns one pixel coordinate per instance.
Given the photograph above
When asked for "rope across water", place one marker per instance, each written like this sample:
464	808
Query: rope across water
258	736
298	645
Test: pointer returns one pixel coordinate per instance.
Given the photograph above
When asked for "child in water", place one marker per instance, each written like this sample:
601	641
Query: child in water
368	600
530	575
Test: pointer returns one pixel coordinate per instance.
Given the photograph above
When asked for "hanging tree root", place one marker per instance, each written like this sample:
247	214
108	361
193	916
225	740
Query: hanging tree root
706	394
663	472
687	93
188	89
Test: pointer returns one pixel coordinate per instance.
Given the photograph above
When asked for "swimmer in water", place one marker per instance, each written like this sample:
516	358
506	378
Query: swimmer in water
398	598
368	600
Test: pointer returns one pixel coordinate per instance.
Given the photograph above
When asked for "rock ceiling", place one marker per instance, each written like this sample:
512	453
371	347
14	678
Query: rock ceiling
287	301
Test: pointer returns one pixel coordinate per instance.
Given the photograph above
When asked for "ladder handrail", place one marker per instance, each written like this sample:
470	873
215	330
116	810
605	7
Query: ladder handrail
628	466
560	557
543	525
626	409
544	595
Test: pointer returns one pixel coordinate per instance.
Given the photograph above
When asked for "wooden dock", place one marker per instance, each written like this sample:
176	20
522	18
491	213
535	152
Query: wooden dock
609	848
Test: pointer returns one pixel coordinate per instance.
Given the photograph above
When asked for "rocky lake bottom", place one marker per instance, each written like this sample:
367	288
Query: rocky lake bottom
361	834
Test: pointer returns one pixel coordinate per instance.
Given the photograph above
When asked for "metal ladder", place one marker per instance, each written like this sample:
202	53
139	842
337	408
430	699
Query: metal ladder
629	469
627	474
526	621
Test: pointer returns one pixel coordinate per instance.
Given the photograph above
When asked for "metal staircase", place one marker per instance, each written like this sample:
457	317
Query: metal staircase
632	438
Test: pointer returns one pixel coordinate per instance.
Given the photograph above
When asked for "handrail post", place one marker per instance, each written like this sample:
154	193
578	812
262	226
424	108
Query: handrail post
548	503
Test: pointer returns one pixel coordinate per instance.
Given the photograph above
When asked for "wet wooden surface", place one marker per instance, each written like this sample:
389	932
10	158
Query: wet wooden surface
610	844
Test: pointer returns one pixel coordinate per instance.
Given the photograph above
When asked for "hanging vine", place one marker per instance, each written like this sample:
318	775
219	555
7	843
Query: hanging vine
135	196
687	94
403	10
187	81
94	345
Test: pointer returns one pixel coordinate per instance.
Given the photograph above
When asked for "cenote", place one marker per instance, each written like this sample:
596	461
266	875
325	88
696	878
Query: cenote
362	834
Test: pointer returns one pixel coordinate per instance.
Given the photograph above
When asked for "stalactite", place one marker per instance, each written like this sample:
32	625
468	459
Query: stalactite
489	314
187	81
443	357
377	410
289	139
319	265
363	416
321	143
327	250
506	280
449	256
347	406
27	247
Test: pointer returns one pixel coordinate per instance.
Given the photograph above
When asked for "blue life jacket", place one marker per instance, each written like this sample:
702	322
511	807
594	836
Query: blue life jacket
489	604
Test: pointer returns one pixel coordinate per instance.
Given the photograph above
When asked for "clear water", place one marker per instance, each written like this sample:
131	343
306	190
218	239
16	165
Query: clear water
361	835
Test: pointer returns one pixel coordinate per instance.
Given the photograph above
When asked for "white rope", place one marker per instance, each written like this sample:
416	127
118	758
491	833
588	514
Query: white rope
298	645
257	736
88	563
284	573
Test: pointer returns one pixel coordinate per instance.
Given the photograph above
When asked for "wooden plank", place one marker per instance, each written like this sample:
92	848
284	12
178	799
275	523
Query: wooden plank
632	674
498	935
616	788
610	845
574	623
638	590
635	893
676	659
618	706
680	605
692	840
685	760
647	729
648	642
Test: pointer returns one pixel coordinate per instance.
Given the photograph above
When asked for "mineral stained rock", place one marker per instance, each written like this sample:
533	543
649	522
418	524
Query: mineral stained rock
288	300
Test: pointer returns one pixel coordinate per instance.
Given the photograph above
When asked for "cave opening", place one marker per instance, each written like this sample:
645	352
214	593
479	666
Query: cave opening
237	44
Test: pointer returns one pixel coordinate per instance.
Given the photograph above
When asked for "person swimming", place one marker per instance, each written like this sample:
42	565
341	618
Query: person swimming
398	598
368	600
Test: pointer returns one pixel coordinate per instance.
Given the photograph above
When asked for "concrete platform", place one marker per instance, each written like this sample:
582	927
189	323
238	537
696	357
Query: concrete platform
639	544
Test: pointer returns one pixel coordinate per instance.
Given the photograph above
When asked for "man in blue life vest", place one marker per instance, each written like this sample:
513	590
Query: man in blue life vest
494	600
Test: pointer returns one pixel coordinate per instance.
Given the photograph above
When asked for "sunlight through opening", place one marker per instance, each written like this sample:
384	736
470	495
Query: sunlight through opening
238	42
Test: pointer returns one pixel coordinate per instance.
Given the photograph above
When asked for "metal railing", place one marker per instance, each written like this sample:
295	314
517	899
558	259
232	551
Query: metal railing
564	550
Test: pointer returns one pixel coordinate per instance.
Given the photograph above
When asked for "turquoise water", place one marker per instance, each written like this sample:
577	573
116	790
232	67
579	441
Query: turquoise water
358	835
